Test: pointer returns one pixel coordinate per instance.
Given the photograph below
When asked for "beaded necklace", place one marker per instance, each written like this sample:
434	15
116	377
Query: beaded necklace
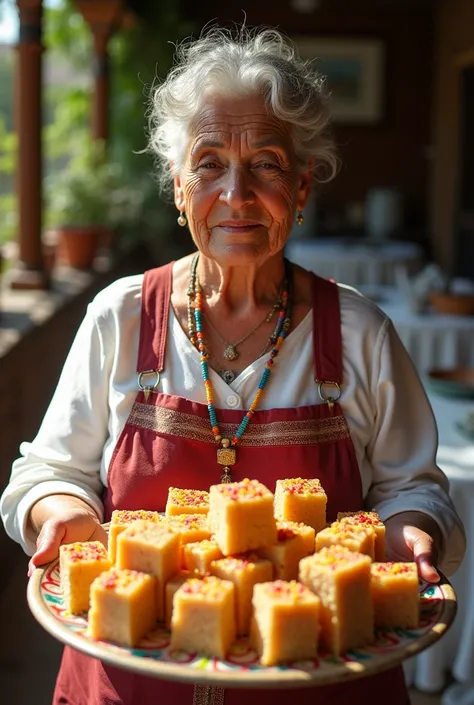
226	454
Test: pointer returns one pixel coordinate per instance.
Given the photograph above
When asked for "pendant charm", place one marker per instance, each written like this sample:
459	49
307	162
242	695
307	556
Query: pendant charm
230	353
226	478
228	376
226	456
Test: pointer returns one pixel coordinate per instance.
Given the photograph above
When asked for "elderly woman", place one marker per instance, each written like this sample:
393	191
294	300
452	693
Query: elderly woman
234	347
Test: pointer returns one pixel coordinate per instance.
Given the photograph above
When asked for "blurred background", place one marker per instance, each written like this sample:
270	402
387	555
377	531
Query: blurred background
79	207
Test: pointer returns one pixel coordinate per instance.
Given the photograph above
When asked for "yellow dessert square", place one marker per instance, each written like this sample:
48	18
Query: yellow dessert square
286	554
120	519
79	564
342	580
395	595
198	556
286	529
203	618
123	606
301	500
355	537
241	516
171	587
189	527
150	548
368	519
245	572
285	623
186	502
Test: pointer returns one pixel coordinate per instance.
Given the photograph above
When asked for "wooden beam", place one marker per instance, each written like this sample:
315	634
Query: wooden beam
29	272
103	18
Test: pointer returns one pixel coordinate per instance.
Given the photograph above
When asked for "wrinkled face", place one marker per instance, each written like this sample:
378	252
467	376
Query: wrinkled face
240	185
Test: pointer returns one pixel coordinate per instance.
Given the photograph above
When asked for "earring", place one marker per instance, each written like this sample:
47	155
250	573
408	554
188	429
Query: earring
182	219
299	218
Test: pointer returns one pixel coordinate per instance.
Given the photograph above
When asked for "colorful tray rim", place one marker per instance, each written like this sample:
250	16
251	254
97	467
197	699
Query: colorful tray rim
354	664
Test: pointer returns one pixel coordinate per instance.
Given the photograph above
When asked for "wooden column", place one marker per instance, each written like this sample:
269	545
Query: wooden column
29	272
103	17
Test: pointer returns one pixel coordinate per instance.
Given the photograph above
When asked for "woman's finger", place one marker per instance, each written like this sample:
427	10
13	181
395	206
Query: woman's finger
47	547
424	556
100	535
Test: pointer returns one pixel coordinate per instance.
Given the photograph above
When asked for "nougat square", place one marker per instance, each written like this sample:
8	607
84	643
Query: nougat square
368	519
150	548
241	516
198	556
186	502
171	587
286	529
80	564
245	572
286	554
123	606
301	500
119	521
355	537
285	623
395	595
203	618
342	580
189	527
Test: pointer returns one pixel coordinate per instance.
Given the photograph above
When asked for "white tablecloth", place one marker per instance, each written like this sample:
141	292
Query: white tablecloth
455	651
354	262
432	340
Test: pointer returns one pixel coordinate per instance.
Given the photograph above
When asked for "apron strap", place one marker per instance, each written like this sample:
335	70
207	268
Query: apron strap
156	292
327	339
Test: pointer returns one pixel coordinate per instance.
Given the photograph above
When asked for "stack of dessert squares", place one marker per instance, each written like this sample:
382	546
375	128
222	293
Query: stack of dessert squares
241	561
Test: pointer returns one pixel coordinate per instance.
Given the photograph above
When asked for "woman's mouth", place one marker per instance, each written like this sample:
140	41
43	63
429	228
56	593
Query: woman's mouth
238	226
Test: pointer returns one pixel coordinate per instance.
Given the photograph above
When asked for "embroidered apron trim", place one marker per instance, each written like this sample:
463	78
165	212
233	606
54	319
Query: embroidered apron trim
276	433
208	695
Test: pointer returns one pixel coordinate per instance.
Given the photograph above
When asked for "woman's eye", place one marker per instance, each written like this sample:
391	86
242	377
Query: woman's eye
266	166
208	165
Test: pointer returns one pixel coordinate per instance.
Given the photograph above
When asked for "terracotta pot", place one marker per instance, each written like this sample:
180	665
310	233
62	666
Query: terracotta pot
77	246
452	304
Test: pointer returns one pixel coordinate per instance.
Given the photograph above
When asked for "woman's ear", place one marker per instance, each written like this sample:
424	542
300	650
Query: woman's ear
178	192
304	186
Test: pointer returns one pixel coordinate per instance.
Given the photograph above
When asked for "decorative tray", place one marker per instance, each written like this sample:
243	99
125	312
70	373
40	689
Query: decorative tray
155	657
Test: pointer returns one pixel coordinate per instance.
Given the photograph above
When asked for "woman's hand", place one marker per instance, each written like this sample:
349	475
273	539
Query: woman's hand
414	536
60	519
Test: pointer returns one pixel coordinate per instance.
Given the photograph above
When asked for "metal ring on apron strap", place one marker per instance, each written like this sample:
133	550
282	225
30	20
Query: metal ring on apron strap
147	389
331	399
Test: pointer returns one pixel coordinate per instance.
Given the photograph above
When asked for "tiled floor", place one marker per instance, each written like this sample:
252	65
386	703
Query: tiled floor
29	657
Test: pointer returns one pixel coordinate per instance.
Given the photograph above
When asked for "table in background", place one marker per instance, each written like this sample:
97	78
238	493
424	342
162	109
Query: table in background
355	262
455	651
432	340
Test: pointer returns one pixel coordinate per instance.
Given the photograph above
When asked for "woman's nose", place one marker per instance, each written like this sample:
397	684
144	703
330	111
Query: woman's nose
236	189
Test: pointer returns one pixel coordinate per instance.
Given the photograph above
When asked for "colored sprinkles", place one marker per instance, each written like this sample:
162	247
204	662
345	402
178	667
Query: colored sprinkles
188	498
300	485
246	489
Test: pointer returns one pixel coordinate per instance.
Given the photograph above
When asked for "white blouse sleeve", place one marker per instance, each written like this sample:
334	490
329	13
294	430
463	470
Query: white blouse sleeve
403	448
65	456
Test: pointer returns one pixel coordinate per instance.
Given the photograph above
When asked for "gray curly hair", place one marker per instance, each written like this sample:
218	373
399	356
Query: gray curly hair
238	63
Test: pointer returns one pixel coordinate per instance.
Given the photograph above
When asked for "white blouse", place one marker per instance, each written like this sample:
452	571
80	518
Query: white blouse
387	411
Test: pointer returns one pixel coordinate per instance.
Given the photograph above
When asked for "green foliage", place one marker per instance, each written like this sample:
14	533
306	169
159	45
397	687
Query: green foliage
8	200
82	186
91	190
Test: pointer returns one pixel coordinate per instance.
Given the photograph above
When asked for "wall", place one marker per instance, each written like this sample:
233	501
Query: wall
393	153
454	44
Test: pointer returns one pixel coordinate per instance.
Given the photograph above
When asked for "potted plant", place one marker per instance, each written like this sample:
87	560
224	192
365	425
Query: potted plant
86	202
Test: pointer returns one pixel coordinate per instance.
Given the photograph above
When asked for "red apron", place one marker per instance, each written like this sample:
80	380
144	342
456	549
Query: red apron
167	440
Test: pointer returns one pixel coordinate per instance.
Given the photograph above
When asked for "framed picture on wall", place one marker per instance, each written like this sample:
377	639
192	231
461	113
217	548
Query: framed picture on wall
355	70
